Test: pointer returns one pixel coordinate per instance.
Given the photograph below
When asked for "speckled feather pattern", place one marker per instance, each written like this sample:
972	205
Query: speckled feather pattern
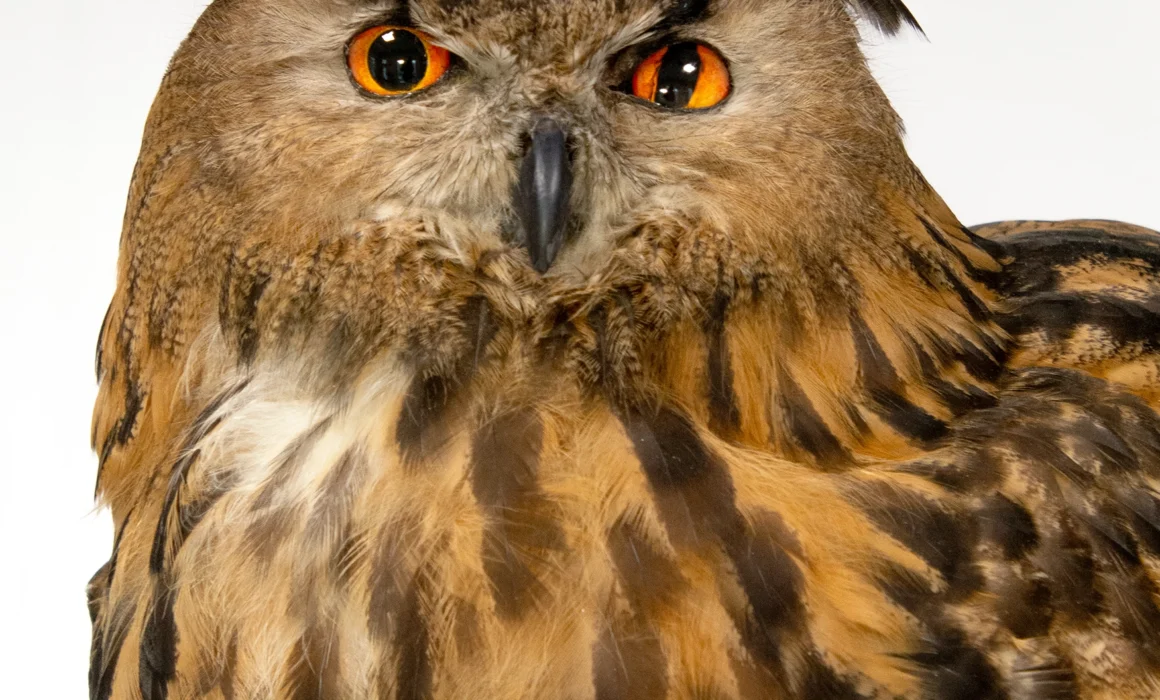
795	436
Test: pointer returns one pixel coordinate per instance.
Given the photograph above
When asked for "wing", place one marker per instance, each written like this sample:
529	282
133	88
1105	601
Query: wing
1087	296
1060	480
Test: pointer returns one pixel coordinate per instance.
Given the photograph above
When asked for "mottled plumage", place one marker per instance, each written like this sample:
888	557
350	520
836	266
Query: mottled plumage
773	425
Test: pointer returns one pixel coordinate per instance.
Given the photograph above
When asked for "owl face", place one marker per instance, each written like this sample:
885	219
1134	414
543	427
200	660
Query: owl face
556	127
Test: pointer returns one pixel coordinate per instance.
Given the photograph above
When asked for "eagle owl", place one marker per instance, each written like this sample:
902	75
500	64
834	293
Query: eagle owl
605	349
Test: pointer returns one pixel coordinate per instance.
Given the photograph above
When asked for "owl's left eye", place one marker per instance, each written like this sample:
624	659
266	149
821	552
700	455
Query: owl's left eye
390	61
686	75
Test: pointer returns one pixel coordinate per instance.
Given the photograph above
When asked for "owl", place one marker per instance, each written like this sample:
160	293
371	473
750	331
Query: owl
602	350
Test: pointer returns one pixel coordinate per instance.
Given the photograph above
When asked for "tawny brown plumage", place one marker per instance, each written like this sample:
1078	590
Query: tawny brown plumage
773	425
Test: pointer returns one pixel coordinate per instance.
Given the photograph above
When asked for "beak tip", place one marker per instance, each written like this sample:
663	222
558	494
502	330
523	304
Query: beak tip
541	264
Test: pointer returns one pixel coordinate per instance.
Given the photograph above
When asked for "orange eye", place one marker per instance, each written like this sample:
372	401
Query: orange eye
687	75
390	61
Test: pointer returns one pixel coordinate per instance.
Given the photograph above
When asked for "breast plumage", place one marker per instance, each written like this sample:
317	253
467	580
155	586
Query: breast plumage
509	349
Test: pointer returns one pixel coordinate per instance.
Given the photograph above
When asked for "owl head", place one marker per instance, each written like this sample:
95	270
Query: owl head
556	128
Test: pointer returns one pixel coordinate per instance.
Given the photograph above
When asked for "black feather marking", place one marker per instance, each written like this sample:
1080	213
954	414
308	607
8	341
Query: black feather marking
975	273
1008	525
1111	538
957	672
107	446
247	316
426	401
1098	447
724	416
108	633
669	449
314	666
975	306
684	12
554	345
158	660
159	553
229	668
695	498
134	403
628	663
1060	314
948	667
923	267
99	360
422	427
960	400
996	249
1023	604
1067	560
888	16
1144	514
1128	592
243	286
414	672
598	322
647	576
907	589
985	360
907	418
821	682
1038	256
206	422
395	614
805	426
505	458
268	531
884	388
104	665
769	575
857	420
941	538
693	492
952	475
938	278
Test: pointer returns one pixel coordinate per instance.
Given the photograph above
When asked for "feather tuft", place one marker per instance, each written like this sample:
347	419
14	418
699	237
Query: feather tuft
888	16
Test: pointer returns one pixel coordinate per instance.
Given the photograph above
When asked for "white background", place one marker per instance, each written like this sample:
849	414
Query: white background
1015	109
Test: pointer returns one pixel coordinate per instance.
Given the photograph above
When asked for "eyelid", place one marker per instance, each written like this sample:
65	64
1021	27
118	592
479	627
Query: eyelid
625	61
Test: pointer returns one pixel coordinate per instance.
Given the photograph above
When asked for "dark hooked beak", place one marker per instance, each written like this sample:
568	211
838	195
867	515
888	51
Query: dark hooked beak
544	193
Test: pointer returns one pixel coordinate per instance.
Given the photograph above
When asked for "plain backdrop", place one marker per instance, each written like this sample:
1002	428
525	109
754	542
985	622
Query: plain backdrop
1014	108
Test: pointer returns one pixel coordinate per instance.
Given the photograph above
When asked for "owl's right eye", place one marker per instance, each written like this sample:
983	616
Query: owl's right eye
390	61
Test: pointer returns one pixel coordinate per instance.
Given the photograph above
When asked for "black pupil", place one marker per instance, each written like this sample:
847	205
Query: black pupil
398	60
677	76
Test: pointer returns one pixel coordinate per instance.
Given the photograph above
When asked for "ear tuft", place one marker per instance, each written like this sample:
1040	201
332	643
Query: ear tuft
887	15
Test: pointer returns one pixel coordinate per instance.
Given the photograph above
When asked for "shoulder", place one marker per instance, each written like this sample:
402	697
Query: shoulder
1083	294
1044	256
